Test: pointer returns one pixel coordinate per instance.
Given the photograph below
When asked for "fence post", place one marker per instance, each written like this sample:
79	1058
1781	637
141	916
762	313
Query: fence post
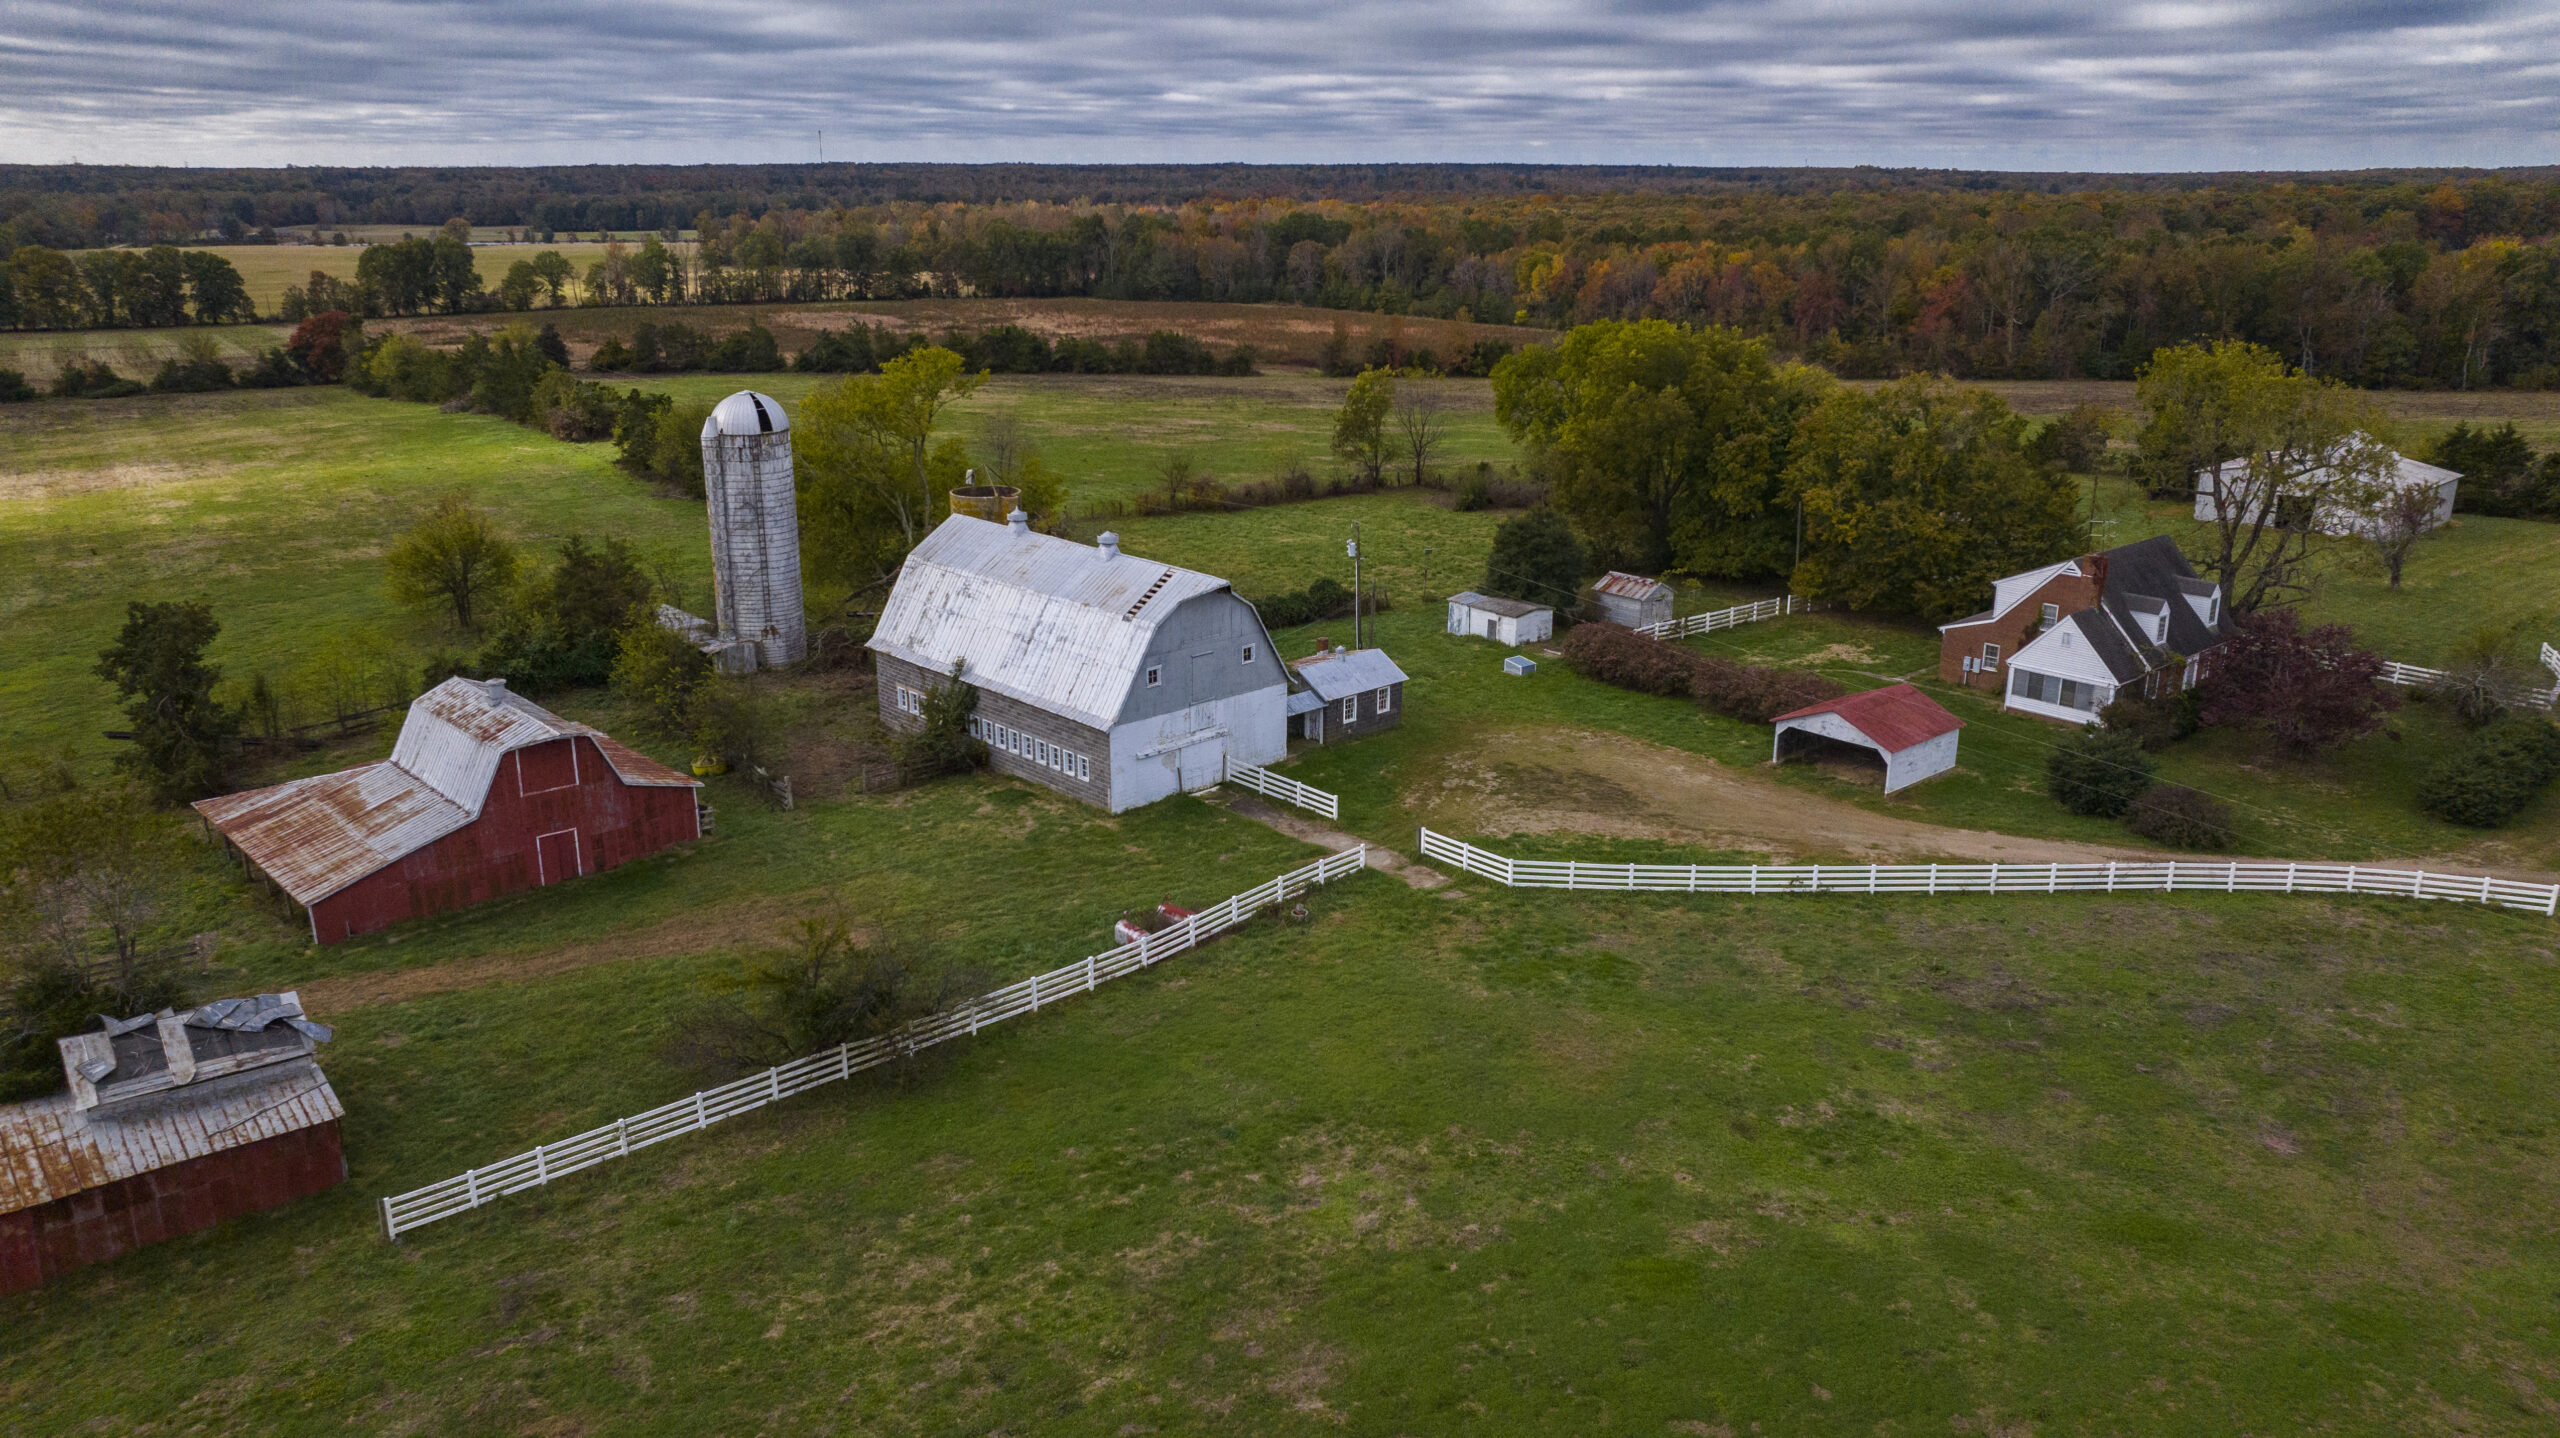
2484	888
2111	876
1088	973
2231	882
389	1229
1871	878
2289	871
1933	879
699	1122
1035	978
541	1165
471	1187
621	1138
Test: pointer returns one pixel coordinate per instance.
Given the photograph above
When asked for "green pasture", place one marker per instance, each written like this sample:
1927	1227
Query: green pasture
1435	1162
133	354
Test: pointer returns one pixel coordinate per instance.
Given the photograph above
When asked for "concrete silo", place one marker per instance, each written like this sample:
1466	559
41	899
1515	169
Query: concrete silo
755	533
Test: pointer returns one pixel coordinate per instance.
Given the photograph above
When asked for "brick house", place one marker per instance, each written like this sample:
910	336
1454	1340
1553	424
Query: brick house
1109	678
2061	641
485	793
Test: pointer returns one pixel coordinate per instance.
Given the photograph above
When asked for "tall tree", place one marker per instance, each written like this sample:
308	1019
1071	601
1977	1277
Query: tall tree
1361	436
1422	426
1917	496
2280	450
183	736
874	481
1667	444
1536	557
216	290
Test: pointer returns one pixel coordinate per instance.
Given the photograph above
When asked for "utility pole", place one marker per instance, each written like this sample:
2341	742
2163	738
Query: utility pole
1353	549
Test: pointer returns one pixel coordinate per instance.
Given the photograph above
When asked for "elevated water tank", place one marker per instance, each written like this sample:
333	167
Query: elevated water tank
990	502
755	527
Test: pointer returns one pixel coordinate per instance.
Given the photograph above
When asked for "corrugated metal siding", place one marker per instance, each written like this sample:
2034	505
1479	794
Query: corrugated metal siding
99	1223
1037	618
495	854
50	1148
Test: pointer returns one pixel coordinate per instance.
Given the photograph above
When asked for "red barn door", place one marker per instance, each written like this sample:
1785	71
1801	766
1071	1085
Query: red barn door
556	854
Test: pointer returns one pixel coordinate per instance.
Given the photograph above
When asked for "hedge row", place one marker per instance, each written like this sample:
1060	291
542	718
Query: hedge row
1754	694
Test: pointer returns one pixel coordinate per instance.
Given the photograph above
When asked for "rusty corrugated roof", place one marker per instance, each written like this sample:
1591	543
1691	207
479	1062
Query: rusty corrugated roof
1630	586
316	836
50	1148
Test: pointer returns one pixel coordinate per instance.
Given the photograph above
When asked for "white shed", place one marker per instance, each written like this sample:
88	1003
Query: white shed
1632	599
1916	737
1504	621
2331	516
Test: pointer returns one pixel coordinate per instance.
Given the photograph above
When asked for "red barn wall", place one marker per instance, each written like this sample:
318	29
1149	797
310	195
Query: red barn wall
534	794
92	1226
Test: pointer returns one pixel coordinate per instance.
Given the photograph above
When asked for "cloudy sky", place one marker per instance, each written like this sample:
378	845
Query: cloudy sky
2003	84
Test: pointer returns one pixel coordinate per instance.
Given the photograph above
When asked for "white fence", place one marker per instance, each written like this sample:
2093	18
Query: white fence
2415	676
1721	619
540	1165
2110	878
1284	789
2551	660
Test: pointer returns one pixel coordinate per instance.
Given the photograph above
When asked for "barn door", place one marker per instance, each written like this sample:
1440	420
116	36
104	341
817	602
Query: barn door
1203	765
556	856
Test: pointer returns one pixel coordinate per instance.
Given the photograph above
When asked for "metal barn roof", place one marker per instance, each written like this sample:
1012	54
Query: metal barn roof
1491	604
51	1148
746	412
1348	671
1056	624
1896	716
1630	586
315	836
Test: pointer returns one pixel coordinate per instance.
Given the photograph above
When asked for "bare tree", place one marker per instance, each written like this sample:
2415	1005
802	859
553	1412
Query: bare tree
2393	521
1424	422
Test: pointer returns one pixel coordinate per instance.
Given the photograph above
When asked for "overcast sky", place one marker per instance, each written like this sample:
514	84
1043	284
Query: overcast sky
1995	84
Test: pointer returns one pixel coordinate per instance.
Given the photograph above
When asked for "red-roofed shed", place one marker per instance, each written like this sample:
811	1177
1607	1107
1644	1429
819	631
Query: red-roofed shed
1915	736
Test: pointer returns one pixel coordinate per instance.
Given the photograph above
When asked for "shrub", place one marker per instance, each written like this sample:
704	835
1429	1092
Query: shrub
1537	558
1615	654
93	380
1756	694
2156	721
2099	773
14	387
825	988
944	742
2306	689
2495	774
2180	817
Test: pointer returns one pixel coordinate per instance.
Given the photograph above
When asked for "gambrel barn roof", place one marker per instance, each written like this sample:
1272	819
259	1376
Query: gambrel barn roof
315	836
1058	625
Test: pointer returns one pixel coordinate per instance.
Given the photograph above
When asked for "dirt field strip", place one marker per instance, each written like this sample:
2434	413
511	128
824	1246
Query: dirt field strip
1380	856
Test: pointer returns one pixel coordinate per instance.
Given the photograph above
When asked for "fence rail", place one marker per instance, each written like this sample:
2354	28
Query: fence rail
2418	676
2109	878
1721	619
2551	660
1284	789
475	1187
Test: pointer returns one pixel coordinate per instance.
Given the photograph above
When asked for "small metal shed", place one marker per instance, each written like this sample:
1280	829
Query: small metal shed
1504	621
1915	736
1632	599
1519	664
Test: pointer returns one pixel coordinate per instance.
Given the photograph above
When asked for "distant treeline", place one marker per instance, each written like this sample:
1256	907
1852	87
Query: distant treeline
2385	281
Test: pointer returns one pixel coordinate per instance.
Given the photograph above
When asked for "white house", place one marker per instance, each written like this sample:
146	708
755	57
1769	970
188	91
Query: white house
2332	515
1114	679
1914	735
1504	621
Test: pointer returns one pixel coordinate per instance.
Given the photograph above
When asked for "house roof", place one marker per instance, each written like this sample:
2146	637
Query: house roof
1631	586
1348	671
1303	701
1058	625
315	836
1896	717
2155	568
1494	604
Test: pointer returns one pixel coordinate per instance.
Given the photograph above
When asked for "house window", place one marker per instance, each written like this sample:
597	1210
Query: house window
1155	675
1350	708
1248	654
910	701
1382	701
2048	614
2213	608
1991	658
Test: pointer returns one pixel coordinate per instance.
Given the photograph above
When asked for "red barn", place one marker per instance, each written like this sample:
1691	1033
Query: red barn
485	793
172	1122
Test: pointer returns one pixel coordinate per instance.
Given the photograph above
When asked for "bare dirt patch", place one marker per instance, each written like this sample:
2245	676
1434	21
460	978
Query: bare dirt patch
752	921
1579	781
52	483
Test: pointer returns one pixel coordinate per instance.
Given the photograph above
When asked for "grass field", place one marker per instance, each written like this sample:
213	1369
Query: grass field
268	269
1439	1161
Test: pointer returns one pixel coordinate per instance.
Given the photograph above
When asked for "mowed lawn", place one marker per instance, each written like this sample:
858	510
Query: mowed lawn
1435	1162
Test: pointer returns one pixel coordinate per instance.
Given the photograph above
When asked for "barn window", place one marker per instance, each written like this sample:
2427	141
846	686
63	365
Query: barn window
1382	701
1084	767
1248	654
910	701
1155	675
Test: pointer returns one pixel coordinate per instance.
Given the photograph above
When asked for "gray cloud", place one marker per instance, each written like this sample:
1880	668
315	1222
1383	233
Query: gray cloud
2153	84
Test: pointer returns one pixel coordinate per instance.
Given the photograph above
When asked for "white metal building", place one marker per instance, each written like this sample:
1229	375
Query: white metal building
1111	678
1504	621
1632	599
2333	517
1915	735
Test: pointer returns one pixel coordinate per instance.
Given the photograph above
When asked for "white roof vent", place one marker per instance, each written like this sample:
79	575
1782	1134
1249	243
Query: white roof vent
746	412
1020	521
1109	544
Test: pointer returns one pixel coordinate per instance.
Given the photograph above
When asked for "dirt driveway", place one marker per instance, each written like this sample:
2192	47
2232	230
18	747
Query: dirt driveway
1581	781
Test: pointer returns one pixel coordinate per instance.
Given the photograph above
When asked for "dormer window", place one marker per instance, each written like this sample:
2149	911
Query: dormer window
2213	607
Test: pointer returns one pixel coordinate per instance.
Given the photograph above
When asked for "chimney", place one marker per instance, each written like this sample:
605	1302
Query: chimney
1109	544
1020	521
497	687
1324	646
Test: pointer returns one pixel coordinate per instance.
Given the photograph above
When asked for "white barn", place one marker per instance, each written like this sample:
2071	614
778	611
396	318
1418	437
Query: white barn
1110	678
2331	516
1504	621
1914	735
1632	599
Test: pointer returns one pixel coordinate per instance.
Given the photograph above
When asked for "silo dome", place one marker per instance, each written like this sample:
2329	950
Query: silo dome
745	412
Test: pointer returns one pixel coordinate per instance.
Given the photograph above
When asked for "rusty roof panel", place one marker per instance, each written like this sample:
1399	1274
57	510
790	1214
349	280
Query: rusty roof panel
1630	586
50	1148
634	767
316	836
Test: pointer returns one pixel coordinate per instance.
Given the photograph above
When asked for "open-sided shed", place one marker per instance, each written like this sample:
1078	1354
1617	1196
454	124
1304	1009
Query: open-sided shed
1914	735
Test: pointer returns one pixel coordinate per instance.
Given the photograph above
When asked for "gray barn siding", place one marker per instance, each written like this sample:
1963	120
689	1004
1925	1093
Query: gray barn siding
1200	646
1013	713
1370	720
